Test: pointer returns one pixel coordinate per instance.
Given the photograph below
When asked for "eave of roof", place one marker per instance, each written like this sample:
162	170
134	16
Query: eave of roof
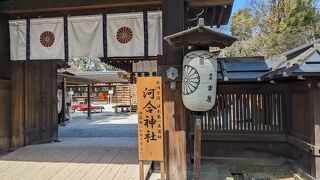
305	64
242	69
200	36
76	80
103	77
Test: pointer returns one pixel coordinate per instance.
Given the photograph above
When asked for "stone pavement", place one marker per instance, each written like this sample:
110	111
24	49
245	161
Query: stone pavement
105	124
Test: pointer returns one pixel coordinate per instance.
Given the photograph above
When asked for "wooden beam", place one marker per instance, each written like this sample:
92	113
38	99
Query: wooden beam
220	16
63	110
201	3
224	136
315	128
4	48
197	149
304	145
17	110
32	6
89	102
173	13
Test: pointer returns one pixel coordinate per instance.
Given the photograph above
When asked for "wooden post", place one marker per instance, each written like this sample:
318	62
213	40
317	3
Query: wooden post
5	70
197	148
63	110
141	170
89	102
5	86
174	123
162	169
315	128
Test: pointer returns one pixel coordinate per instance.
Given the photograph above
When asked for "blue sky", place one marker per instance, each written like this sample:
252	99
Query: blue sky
239	4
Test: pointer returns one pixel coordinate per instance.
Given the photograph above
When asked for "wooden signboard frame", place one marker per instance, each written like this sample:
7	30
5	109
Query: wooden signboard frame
150	122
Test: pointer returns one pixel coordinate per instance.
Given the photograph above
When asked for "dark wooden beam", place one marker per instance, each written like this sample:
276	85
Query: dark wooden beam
173	13
63	110
32	6
17	107
89	102
212	15
4	48
197	148
201	3
238	137
220	16
315	130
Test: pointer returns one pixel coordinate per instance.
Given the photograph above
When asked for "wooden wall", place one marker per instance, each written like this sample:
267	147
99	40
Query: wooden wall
4	48
34	96
5	84
293	134
5	115
304	128
246	123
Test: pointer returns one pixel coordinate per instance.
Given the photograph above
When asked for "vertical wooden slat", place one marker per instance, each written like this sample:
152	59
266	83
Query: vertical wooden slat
254	111
229	112
270	111
277	112
234	111
258	112
262	112
211	118
281	120
217	120
250	112
223	108
275	109
266	100
247	115
244	126
271	97
237	111
241	112
218	113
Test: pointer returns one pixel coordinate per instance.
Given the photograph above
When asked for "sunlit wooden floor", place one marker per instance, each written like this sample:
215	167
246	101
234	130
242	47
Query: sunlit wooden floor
63	162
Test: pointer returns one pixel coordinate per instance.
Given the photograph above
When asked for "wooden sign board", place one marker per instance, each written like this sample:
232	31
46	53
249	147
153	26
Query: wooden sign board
150	118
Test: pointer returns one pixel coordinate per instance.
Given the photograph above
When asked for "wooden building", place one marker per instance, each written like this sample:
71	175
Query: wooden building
266	111
259	113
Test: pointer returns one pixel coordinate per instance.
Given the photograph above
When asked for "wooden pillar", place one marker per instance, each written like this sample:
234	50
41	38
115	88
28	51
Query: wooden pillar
173	13
197	147
63	110
315	128
18	103
5	62
89	102
5	85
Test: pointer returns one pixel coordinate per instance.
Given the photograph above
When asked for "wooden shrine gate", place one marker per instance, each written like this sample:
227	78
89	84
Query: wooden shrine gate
34	102
28	115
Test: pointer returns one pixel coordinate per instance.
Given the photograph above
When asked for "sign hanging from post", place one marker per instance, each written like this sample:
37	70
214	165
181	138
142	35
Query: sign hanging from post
150	122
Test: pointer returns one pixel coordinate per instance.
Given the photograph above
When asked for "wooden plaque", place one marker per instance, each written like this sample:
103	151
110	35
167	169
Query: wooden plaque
150	118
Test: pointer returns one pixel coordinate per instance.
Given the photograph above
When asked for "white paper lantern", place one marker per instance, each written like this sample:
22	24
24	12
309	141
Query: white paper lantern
199	80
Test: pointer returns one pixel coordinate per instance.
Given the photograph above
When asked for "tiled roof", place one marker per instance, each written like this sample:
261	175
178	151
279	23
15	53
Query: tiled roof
304	63
242	68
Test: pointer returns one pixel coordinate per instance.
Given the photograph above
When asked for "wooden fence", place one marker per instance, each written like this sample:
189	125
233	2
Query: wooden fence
246	108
